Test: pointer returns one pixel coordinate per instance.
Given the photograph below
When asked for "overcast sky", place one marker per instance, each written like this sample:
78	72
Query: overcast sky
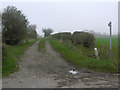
70	16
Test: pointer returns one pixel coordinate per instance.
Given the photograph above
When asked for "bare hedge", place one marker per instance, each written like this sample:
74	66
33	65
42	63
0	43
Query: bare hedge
77	38
83	38
65	36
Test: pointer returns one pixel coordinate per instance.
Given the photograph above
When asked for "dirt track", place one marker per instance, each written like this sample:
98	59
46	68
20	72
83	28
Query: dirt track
51	70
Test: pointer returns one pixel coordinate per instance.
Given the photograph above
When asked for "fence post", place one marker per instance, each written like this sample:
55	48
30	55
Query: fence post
110	25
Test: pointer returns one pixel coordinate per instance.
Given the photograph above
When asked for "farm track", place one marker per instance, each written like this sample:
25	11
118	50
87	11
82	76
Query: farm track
51	70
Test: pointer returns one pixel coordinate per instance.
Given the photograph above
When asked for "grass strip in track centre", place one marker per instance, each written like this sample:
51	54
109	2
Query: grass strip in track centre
41	45
11	57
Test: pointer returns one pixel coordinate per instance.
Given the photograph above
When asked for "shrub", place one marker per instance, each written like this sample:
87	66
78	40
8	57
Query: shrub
65	36
83	38
14	25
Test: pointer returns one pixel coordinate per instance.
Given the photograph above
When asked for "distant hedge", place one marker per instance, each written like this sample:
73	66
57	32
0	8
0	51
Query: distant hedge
83	38
77	38
65	36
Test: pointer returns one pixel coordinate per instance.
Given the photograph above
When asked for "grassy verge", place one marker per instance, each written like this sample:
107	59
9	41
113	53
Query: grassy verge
82	57
11	57
41	46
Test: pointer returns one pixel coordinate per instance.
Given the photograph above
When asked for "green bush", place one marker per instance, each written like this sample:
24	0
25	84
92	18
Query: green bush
83	38
14	24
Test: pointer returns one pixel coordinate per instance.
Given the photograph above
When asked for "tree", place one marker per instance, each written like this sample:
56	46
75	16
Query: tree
47	32
14	25
0	23
31	32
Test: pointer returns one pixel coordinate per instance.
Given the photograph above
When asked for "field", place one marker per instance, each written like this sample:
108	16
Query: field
11	57
104	44
84	57
106	41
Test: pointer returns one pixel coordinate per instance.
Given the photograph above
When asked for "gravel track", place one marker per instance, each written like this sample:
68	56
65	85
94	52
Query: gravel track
51	70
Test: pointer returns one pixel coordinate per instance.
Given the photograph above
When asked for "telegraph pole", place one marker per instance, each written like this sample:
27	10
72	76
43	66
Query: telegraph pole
110	25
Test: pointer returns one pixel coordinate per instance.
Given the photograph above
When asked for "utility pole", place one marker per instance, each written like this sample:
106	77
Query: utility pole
110	25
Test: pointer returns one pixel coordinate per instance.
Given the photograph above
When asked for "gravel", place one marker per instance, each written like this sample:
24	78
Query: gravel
51	70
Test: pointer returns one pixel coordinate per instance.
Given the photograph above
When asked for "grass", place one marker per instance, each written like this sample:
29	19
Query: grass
83	57
106	41
41	45
10	62
103	45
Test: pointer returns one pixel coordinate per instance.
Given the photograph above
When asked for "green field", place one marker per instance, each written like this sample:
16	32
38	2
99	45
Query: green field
84	57
106	41
11	57
103	45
